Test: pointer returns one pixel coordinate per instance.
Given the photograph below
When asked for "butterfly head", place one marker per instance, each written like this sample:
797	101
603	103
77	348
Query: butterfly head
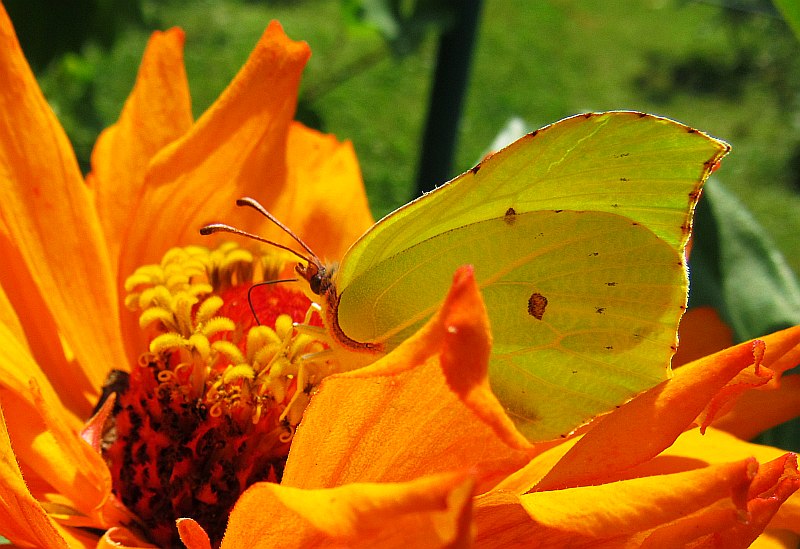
316	275
312	271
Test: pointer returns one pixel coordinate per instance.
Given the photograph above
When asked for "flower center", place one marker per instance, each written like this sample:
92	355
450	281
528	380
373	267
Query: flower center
212	406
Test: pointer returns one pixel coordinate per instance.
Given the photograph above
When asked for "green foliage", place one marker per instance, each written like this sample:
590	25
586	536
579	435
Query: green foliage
737	268
730	73
51	29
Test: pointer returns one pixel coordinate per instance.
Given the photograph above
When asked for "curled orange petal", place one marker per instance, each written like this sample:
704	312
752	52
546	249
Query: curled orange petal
773	484
756	411
651	421
745	380
407	402
44	444
598	512
664	510
773	355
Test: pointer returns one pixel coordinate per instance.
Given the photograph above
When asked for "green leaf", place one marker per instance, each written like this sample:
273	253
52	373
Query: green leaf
790	9
737	269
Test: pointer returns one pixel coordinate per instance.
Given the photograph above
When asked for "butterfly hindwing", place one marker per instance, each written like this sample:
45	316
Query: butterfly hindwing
580	303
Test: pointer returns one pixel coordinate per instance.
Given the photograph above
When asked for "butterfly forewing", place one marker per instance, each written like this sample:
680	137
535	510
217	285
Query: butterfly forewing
643	167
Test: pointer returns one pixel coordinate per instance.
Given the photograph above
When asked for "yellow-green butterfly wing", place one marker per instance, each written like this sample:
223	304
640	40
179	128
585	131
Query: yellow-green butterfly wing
576	233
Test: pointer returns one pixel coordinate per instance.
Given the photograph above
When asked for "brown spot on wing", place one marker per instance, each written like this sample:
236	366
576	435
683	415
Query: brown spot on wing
537	303
509	216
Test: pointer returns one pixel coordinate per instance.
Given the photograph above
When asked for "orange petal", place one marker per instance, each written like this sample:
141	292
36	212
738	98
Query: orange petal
634	505
525	478
781	351
778	482
617	514
55	260
647	424
324	198
46	445
467	344
22	519
772	485
10	323
237	147
501	522
428	512
693	450
18	369
756	411
701	333
192	534
157	112
742	382
402	417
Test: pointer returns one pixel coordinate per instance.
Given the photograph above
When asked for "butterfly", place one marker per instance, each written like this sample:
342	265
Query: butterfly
576	232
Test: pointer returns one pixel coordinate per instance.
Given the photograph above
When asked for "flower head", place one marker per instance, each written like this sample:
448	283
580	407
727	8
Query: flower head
143	401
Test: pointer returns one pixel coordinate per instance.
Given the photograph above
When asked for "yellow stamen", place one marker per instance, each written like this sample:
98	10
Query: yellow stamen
200	352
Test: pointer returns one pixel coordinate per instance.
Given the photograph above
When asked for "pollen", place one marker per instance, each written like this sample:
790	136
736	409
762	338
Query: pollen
219	388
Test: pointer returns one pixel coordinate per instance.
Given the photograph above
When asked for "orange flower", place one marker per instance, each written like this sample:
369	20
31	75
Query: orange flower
69	246
413	449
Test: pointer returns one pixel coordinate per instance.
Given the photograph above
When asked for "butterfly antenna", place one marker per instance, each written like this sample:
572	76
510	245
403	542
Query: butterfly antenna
264	283
223	228
253	203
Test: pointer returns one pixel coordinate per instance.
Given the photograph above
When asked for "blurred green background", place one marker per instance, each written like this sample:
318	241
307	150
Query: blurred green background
727	67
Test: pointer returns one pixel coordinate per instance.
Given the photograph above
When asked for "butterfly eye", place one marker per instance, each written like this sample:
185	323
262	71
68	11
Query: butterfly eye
316	275
316	283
